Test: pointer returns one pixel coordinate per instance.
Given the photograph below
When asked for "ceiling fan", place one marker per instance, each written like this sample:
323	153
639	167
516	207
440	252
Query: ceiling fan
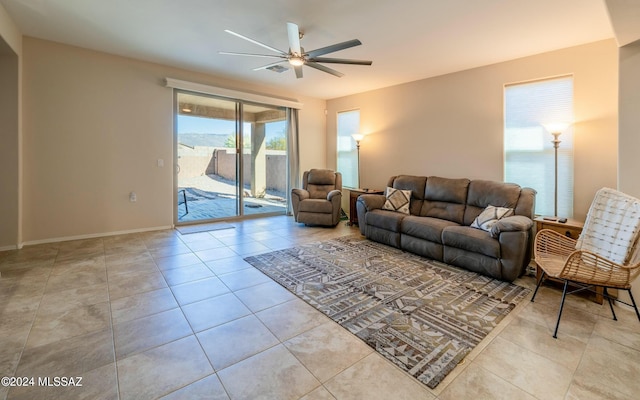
297	56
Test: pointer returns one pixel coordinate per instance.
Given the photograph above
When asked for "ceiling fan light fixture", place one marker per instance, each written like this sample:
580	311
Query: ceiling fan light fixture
298	57
296	61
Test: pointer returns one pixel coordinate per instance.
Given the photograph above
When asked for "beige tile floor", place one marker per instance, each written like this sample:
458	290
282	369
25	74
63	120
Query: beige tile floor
165	315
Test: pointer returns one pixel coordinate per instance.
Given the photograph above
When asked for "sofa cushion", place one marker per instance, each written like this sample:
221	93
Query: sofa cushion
414	183
470	239
383	219
487	219
484	193
397	200
426	228
316	206
445	198
475	262
421	247
526	202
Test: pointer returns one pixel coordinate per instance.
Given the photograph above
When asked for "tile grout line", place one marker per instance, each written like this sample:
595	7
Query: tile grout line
33	320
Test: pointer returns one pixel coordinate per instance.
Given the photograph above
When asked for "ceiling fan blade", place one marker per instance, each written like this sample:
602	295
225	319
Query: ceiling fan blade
231	53
298	70
266	46
294	38
333	47
324	69
340	61
269	65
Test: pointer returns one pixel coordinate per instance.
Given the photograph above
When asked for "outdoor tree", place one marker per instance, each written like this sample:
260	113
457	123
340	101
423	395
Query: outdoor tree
277	143
230	142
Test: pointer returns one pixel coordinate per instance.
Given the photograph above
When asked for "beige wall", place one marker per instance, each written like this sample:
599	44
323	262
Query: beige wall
452	125
94	127
629	152
630	119
9	148
10	132
9	32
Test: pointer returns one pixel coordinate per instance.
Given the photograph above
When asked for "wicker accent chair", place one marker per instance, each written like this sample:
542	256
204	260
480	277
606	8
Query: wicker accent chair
605	255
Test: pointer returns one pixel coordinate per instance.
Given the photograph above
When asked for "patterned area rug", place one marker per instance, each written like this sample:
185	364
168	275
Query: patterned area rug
423	315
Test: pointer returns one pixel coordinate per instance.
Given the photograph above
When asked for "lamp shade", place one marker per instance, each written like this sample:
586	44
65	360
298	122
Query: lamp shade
357	137
556	127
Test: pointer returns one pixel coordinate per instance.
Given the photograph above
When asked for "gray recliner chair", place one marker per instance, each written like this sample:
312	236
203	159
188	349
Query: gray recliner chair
319	200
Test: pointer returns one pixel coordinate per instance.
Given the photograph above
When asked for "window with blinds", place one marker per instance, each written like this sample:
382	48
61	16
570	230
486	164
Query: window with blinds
348	124
529	156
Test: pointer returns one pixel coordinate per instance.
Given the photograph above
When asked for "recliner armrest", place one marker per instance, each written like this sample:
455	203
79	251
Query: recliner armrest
514	223
333	194
300	193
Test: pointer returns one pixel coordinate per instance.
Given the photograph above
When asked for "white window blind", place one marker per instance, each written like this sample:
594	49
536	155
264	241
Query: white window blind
529	153
348	124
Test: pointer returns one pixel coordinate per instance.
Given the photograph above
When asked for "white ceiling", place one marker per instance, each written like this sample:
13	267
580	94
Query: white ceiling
406	39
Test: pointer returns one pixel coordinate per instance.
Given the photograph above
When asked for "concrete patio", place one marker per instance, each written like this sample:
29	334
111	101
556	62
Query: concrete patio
211	197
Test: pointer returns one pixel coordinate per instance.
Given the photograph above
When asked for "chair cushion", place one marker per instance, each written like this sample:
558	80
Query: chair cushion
320	182
612	226
316	206
321	177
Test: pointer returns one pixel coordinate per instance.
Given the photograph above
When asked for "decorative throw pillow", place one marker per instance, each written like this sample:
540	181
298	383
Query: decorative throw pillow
397	200
490	216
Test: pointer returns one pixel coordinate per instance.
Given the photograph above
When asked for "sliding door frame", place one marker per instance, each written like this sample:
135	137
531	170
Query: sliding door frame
239	159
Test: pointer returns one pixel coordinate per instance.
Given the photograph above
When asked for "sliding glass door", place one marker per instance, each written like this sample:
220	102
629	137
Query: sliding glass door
231	159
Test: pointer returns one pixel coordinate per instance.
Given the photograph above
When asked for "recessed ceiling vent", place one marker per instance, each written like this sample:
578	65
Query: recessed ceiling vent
277	68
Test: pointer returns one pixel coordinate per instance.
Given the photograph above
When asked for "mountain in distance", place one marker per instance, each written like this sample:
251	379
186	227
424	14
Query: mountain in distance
202	139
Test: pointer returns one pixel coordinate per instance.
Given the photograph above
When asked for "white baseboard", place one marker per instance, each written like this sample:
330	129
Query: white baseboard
7	248
621	305
93	235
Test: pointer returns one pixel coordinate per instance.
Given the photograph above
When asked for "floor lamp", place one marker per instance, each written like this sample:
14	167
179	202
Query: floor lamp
358	137
556	129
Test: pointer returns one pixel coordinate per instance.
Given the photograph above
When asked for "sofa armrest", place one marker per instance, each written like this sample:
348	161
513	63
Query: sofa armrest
371	201
513	254
515	223
366	203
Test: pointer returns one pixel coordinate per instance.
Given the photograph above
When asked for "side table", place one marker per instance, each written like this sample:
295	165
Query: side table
353	197
572	228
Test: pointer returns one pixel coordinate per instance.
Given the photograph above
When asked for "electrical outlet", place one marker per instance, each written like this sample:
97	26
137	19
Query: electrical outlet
160	162
132	197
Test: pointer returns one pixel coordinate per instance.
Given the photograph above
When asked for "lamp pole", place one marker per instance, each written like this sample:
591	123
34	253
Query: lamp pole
556	129
556	144
358	147
358	137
